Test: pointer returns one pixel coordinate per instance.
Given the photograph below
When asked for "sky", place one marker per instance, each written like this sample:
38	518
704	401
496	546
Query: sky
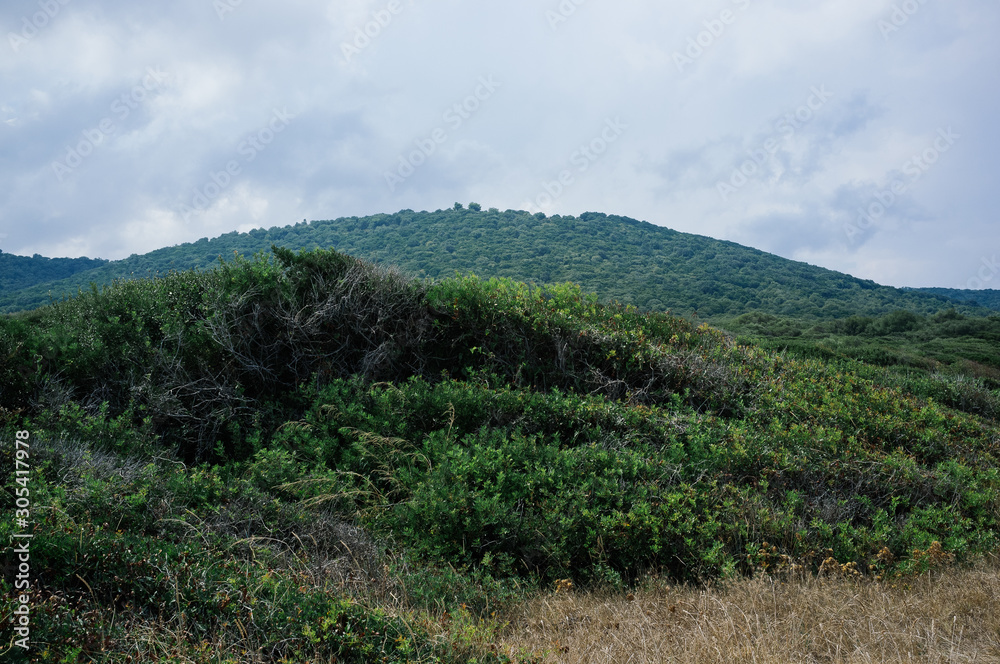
857	135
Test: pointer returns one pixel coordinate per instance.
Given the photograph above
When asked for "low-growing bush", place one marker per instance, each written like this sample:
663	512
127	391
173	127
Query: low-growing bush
304	456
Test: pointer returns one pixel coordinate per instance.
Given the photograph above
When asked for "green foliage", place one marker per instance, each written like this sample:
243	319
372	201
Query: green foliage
986	297
948	357
19	272
205	360
517	482
116	555
651	267
212	440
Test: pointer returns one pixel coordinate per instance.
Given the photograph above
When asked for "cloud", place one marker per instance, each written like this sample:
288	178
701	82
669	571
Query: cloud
227	72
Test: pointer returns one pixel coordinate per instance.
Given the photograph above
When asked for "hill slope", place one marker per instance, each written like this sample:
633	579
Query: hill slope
20	272
619	258
374	466
987	297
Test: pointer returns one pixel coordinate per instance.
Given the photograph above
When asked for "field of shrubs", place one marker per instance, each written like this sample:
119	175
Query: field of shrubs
308	458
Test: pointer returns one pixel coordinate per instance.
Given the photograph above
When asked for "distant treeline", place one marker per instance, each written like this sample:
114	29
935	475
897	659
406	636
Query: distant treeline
652	267
18	272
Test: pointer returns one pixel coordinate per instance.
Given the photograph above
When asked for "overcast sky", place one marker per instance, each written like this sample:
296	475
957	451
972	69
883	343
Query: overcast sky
858	135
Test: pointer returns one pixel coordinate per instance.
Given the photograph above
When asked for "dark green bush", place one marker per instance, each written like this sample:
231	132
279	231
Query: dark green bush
245	426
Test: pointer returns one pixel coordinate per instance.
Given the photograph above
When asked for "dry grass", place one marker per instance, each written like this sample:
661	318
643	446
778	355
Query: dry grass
950	616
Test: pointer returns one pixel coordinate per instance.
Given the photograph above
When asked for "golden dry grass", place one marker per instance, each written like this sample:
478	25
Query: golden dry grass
948	616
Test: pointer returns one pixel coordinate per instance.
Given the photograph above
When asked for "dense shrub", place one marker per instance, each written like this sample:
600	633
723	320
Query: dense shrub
286	429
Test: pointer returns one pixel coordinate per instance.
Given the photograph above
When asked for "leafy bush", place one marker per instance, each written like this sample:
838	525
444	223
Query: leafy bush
307	456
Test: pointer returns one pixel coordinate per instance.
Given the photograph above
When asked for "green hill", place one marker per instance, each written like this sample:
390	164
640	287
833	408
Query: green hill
20	272
305	457
986	297
618	258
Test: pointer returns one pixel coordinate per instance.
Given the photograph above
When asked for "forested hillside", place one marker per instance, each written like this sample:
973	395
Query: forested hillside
19	272
618	258
986	297
305	457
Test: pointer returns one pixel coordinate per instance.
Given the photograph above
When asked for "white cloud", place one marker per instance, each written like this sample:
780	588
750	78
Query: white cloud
353	120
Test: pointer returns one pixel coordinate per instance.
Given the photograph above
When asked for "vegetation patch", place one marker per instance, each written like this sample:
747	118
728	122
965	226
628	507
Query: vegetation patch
305	457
